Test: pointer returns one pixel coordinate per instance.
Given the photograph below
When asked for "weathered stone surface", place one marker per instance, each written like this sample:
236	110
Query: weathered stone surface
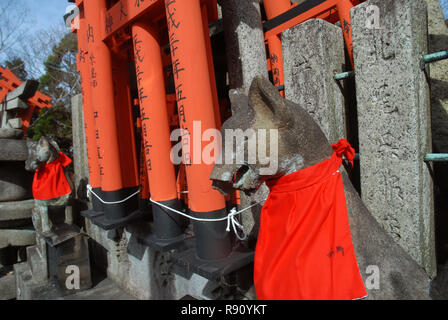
245	48
8	287
16	210
28	289
104	290
129	273
79	142
25	91
394	123
37	262
17	237
16	103
13	150
312	53
15	182
15	123
8	133
145	275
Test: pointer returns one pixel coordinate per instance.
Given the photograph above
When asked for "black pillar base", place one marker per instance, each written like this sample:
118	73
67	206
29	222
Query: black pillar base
101	220
163	245
211	269
167	224
213	242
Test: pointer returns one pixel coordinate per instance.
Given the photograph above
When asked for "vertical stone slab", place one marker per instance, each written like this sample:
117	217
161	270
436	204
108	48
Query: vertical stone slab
245	48
246	58
312	53
394	122
79	141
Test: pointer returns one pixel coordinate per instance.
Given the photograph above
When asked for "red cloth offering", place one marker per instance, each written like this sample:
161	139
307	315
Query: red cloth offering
50	181
304	248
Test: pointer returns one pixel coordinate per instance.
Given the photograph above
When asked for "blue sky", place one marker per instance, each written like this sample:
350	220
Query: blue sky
46	13
43	15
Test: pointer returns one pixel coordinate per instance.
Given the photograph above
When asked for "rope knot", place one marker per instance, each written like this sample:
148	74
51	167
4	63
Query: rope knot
342	147
231	219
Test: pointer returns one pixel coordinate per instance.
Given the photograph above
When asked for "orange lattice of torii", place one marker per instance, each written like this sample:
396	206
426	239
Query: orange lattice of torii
8	83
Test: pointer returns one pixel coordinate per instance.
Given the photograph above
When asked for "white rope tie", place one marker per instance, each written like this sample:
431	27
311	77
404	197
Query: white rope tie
90	191
230	218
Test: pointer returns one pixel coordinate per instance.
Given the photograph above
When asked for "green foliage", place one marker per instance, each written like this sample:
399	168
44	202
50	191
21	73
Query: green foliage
54	123
17	66
61	81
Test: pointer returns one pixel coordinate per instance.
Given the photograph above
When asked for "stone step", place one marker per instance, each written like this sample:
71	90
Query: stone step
9	133
37	263
13	150
29	289
106	289
8	286
17	237
15	182
16	210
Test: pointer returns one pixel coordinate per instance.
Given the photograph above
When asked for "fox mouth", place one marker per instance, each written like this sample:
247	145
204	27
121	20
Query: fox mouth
239	180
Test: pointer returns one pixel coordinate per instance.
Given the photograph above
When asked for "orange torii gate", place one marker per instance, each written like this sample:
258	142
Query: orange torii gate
164	47
147	69
39	101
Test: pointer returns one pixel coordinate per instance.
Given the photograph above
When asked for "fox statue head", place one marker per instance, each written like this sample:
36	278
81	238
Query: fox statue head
40	152
288	138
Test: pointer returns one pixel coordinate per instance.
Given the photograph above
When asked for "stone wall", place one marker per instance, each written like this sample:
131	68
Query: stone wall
313	52
394	123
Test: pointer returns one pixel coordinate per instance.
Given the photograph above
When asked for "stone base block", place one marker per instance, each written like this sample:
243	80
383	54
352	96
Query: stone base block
8	287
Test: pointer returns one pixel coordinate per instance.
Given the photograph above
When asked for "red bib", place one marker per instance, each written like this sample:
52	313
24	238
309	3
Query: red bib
50	181
304	248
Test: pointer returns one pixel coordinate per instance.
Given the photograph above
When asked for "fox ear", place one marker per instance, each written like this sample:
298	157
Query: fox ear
239	102
43	142
265	99
54	144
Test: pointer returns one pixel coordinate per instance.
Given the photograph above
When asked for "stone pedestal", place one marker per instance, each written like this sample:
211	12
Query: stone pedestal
80	162
60	254
15	182
394	123
312	53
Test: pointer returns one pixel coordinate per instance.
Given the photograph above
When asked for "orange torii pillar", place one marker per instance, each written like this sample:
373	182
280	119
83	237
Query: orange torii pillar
195	103
125	128
156	130
344	7
102	89
274	8
89	121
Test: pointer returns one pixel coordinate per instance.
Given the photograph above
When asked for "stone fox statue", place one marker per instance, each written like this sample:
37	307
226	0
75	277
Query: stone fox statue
52	185
387	271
